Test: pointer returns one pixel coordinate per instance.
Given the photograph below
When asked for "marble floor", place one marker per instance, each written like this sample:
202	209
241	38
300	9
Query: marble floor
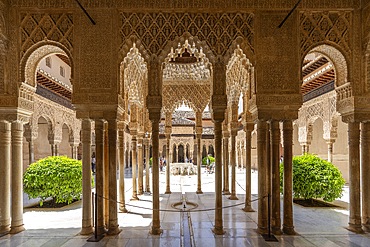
323	227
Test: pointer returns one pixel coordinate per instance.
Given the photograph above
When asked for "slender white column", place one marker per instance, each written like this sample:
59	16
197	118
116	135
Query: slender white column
168	172
17	173
87	227
288	223
140	164
365	159
233	163
121	141
5	174
262	176
199	164
99	185
330	150
275	176
354	223
147	173
248	166
113	212
31	152
134	168
226	163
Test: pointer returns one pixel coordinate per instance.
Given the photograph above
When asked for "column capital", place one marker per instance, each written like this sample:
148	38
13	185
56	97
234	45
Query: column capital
248	126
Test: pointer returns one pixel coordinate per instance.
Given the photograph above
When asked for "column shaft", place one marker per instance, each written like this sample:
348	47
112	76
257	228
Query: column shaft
275	177
233	166
134	165
168	169
248	168
99	183
147	175
31	152
113	212
262	176
156	227
87	227
226	166
199	164
17	173
288	224
5	160
365	159
122	200
140	167
354	223
106	175
218	228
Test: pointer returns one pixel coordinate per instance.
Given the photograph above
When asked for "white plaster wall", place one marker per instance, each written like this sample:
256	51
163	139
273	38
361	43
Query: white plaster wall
56	62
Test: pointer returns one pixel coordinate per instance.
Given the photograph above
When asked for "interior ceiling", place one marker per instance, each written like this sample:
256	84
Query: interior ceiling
321	79
55	87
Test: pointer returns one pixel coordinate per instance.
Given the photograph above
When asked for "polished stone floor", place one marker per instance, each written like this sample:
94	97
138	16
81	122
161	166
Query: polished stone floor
323	227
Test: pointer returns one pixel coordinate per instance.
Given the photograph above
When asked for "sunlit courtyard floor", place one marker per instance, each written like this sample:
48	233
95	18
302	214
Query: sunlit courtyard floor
315	226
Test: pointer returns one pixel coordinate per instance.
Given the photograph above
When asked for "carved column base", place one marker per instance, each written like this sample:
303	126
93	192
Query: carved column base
366	228
233	197
168	192
16	229
113	230
218	230
226	192
86	230
356	228
199	192
4	229
123	209
155	231
276	231
248	209
134	198
289	230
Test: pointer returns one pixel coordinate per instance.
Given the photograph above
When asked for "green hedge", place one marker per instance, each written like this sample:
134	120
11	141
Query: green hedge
314	177
211	160
58	177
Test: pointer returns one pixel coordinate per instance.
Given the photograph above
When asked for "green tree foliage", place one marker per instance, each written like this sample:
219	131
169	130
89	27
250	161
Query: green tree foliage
314	177
58	177
210	158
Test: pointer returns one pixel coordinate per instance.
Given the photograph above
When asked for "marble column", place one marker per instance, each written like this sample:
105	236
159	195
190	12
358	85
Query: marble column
134	165
365	159
147	172
354	223
156	227
31	150
5	166
106	175
87	227
262	177
16	181
198	135
218	226
121	186
140	164
168	169
99	175
226	136
233	133
113	212
288	223
275	177
330	150
248	128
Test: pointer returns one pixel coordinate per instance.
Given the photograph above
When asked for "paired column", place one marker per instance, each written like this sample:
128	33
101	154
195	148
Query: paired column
140	164
147	158
198	133
354	223
262	177
134	164
5	160
218	228
87	227
155	118
17	173
365	159
121	159
288	224
226	136
99	183
275	176
168	169
248	167
112	195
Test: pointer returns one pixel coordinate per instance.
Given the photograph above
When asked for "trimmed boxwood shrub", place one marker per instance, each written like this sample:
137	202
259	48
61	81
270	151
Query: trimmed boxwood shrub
211	160
58	177
314	178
